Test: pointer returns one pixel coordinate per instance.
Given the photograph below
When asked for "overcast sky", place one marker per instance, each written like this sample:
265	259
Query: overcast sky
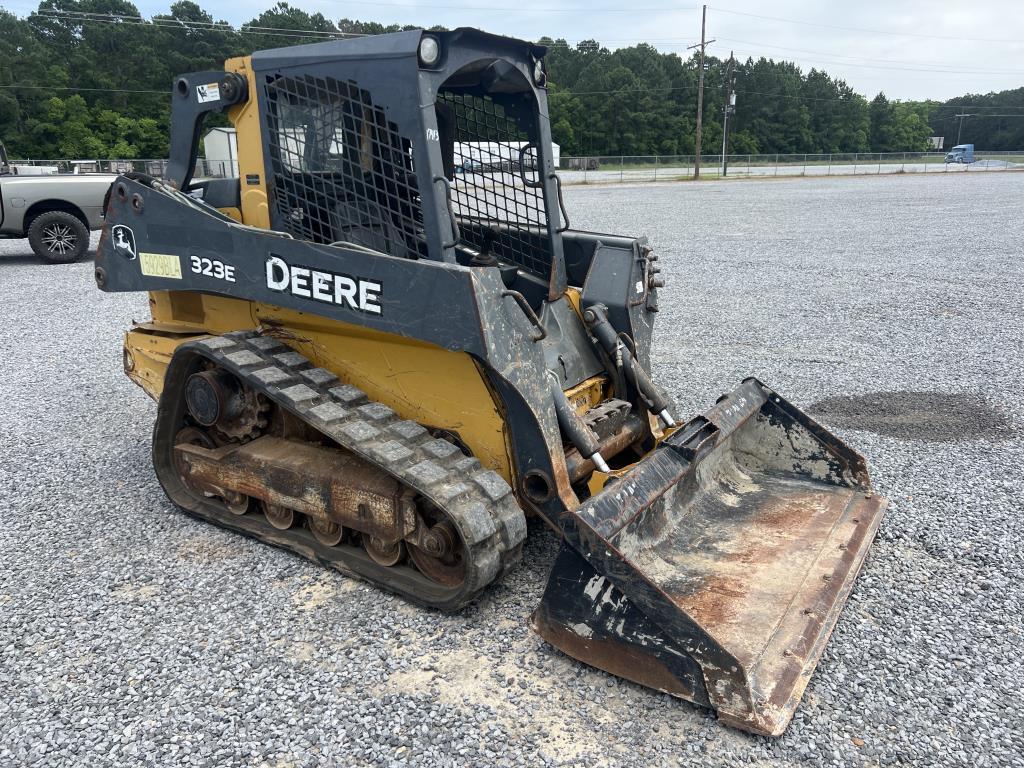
910	49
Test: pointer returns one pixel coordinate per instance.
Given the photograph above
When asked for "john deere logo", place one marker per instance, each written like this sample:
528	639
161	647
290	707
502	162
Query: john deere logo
124	241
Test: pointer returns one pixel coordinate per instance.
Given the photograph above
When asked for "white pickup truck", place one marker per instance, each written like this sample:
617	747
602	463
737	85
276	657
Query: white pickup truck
54	212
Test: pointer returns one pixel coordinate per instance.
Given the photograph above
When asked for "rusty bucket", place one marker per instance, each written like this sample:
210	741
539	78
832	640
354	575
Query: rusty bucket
716	568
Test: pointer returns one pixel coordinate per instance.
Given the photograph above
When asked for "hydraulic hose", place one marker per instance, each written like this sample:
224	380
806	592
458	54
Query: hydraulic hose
579	434
596	318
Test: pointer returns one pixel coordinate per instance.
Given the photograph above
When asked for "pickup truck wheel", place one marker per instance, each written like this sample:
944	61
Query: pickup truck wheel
58	237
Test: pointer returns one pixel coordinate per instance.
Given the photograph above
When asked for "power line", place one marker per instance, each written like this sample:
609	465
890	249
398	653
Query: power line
328	34
569	92
866	58
972	73
837	60
75	88
520	9
506	9
665	41
622	90
847	100
307	33
141	90
609	92
955	117
112	18
172	23
958	38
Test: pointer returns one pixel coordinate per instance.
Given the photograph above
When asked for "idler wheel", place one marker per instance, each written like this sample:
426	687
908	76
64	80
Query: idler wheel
280	517
383	553
237	503
213	396
327	532
441	557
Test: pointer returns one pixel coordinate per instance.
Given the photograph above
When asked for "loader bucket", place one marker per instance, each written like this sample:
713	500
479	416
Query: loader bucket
715	568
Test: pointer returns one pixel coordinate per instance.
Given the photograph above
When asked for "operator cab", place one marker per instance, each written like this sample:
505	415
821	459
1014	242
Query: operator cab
344	170
417	145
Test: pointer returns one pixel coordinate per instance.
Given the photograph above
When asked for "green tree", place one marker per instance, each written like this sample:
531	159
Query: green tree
283	25
77	137
883	124
100	86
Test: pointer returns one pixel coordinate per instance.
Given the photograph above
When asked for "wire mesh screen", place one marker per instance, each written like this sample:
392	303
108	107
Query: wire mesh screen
499	210
339	170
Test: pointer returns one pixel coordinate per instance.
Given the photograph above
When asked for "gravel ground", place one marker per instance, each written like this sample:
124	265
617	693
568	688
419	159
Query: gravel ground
132	635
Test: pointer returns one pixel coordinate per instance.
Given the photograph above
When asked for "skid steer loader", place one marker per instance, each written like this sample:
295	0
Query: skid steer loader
382	346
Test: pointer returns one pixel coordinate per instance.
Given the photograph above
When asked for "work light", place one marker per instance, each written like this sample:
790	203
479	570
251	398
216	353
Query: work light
430	51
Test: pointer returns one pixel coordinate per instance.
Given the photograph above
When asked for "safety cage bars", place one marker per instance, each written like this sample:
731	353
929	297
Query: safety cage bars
340	171
497	192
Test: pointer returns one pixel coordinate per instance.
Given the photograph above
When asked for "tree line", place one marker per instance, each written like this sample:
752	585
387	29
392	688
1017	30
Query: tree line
81	79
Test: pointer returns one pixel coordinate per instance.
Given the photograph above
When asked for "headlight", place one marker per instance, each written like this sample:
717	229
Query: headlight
538	72
430	51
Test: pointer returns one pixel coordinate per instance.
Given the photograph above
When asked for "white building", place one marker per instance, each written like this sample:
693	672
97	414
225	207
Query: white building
220	148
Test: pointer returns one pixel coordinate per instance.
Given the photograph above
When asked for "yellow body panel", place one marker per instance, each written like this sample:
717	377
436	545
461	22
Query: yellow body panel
246	119
420	381
587	394
148	349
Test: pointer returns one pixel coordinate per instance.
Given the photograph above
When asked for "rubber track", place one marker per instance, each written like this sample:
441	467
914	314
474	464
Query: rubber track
479	501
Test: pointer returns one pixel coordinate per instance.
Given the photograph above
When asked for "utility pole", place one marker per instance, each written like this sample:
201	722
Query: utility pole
958	130
730	101
700	87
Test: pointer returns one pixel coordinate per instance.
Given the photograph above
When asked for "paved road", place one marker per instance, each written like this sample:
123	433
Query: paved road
131	635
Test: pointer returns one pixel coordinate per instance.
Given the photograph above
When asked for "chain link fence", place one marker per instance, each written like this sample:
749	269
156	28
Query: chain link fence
205	169
593	170
607	170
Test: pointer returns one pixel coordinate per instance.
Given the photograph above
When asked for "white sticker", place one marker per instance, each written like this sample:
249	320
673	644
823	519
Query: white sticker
160	265
208	92
639	286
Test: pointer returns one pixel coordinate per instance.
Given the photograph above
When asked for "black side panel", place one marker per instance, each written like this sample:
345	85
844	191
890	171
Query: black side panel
579	252
195	95
617	279
219	193
184	248
160	242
